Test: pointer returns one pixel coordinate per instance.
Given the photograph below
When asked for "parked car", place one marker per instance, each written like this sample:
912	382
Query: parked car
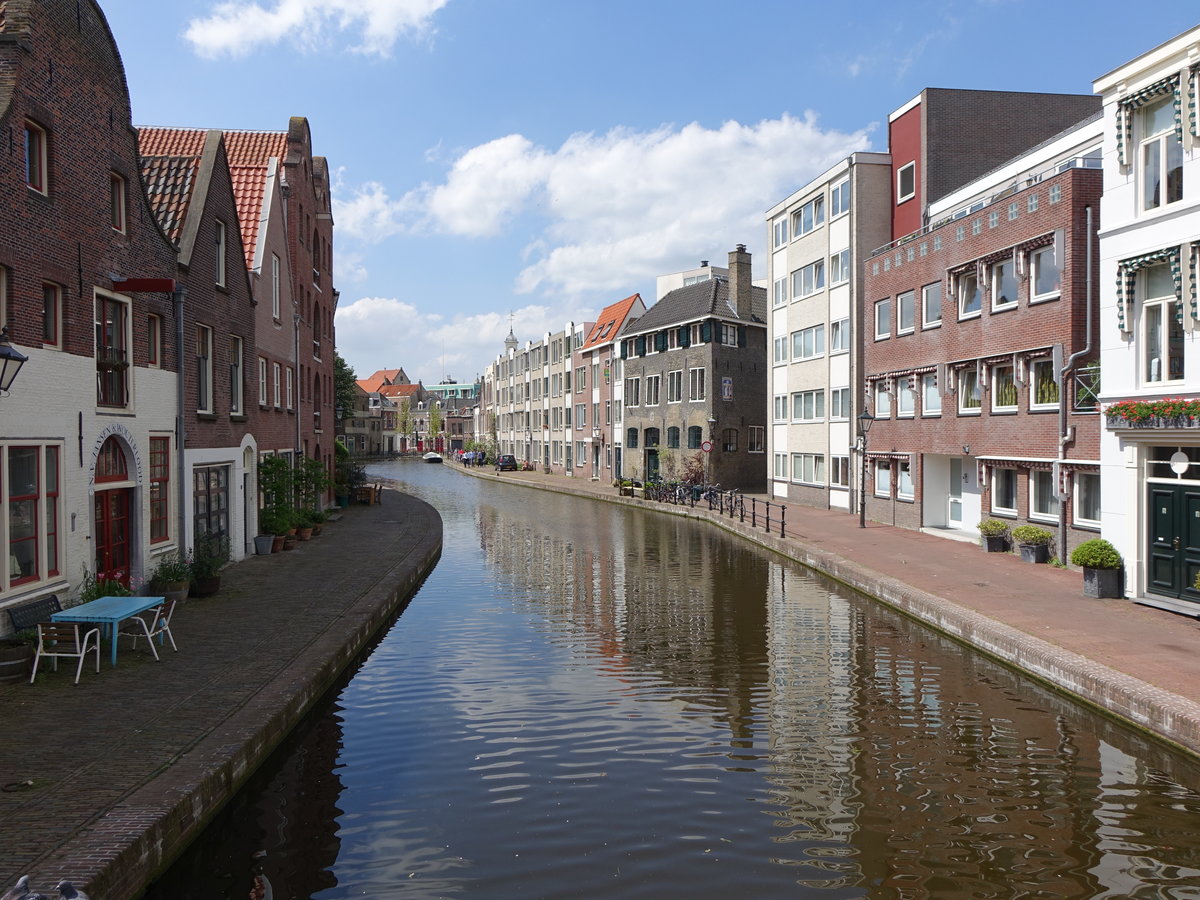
506	462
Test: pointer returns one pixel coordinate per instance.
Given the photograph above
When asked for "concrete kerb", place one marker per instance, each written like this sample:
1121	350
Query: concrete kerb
1160	714
171	812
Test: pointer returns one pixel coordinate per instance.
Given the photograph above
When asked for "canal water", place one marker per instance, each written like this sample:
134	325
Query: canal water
585	700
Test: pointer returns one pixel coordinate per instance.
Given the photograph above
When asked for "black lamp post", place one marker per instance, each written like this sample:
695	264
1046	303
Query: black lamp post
10	362
865	419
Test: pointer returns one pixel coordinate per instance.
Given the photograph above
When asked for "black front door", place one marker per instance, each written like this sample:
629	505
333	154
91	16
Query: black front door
1174	540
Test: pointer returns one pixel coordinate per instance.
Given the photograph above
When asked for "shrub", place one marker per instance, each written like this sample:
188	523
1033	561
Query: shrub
1032	535
993	528
212	552
94	589
1096	554
172	568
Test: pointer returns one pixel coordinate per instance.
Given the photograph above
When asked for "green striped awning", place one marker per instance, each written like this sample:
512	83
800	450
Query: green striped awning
1127	270
1193	103
1193	265
1128	105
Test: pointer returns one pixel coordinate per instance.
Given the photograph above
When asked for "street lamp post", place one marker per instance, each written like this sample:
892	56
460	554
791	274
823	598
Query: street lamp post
11	361
865	420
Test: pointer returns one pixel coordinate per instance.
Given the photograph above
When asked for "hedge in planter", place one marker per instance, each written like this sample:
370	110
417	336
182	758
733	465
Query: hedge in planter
1102	568
993	535
1034	542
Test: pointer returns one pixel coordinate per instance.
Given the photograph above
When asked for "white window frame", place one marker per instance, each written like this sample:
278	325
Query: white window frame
809	217
633	392
883	478
781	350
931	316
779	230
969	389
37	158
221	239
883	319
962	296
780	471
1041	488
906	302
995	279
1078	492
808	280
808	468
883	400
839	267
840	404
839	336
808	406
756	439
1158	324
780	407
1035	269
780	296
808	343
262	383
998	476
1162	144
205	363
675	386
907	170
276	286
290	382
905	489
839	199
999	378
1036	378
116	201
277	371
839	472
931	395
906	399
236	381
697	386
653	390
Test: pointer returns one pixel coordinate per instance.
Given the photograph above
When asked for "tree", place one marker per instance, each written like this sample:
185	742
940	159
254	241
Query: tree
435	420
404	419
343	385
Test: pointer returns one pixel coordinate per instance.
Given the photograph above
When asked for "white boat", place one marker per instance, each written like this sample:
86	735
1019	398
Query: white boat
432	457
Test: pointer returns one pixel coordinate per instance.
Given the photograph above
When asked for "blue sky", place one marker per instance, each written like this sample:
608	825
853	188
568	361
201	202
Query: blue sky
543	158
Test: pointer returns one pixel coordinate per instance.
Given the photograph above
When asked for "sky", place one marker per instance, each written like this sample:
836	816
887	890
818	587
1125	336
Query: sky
521	164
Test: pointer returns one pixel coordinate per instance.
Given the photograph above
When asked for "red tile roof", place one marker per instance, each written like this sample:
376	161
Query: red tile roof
170	160
400	390
609	322
380	378
249	154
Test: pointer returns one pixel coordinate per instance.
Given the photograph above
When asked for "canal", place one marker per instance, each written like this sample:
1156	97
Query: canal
587	700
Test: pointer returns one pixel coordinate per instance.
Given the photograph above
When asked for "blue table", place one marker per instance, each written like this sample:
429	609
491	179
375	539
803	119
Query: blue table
109	611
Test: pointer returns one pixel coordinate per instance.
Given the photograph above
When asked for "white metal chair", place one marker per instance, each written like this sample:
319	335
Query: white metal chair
154	623
57	639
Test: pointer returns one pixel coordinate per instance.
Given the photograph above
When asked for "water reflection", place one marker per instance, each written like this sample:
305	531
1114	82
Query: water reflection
588	701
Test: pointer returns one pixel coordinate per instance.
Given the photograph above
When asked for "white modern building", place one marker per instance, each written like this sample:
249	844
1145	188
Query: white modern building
1150	253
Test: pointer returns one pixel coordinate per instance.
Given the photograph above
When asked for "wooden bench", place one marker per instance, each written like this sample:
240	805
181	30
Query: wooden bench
28	615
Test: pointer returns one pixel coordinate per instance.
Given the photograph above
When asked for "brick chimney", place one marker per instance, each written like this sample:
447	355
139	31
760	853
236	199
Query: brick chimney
740	282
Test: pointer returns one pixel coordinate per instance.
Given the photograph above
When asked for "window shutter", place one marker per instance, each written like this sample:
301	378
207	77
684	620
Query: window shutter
660	341
706	332
685	336
640	345
624	349
741	335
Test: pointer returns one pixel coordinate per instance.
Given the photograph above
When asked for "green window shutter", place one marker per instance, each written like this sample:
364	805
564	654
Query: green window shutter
741	335
660	341
685	336
624	349
640	345
706	332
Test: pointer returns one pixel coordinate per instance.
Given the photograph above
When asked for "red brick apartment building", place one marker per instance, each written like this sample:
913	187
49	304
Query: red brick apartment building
980	339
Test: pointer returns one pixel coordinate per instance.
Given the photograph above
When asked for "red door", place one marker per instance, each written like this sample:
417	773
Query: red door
112	536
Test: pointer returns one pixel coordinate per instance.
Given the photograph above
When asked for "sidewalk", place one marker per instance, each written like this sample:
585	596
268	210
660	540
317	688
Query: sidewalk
104	782
1138	663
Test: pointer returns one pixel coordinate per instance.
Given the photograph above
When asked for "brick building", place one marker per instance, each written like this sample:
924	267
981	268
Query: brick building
188	182
87	433
694	373
980	351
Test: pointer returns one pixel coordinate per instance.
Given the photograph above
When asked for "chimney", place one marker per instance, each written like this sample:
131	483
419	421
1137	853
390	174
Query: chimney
740	282
704	263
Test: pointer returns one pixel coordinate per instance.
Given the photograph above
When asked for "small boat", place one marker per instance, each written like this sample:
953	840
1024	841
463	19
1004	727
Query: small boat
432	457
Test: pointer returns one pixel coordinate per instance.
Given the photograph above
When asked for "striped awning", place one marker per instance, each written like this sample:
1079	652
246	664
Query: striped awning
1128	105
1193	265
1127	270
1193	102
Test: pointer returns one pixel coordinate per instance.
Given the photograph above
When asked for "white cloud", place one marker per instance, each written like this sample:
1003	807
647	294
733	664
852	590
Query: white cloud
236	27
618	207
385	332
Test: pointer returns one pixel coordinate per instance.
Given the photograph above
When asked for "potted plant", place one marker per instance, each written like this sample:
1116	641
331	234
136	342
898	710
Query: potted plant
1033	542
993	535
209	556
172	574
318	517
16	655
304	525
1101	564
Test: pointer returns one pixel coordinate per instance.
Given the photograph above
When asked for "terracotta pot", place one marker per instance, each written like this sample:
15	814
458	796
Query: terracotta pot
305	534
277	543
205	587
289	542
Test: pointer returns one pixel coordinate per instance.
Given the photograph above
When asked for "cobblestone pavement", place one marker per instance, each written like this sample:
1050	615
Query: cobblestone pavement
1139	663
102	782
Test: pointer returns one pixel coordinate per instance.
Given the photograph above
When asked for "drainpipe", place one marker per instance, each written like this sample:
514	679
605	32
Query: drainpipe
296	384
1065	436
177	297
